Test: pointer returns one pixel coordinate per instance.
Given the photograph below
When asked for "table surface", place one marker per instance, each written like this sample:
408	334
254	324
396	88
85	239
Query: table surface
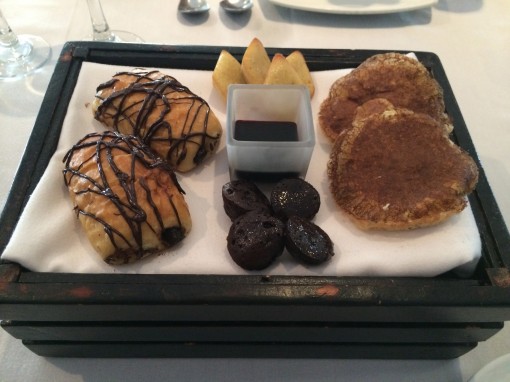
472	39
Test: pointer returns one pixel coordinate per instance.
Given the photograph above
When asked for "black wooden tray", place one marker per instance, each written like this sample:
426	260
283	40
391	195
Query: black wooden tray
99	315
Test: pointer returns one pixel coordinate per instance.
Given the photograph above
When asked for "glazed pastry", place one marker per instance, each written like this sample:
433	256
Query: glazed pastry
255	240
127	199
176	123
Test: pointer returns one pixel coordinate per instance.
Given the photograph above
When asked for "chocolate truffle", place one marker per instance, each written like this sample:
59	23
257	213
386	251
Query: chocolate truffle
294	196
255	240
241	196
307	242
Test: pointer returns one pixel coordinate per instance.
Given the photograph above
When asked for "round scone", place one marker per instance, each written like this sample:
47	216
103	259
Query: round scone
307	242
400	79
398	170
241	196
294	196
173	121
255	240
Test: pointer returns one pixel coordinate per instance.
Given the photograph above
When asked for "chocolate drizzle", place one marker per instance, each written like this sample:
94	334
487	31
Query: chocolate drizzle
144	105
127	204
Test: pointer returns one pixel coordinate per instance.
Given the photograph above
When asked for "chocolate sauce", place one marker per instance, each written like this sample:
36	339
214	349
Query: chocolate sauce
148	117
263	176
128	207
264	131
267	131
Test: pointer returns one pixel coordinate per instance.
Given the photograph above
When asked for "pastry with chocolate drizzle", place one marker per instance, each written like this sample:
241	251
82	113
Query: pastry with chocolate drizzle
127	199
176	123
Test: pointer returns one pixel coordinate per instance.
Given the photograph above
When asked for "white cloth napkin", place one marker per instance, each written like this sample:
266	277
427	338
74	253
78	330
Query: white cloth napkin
49	238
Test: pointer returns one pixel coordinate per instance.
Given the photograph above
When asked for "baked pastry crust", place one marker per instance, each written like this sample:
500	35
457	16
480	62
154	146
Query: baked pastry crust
176	123
127	199
397	170
401	80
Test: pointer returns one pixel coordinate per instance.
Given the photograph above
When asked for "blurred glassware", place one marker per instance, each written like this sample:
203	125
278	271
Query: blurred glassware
100	29
193	6
20	54
236	6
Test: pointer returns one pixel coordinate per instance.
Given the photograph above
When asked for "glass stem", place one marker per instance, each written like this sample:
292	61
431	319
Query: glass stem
11	50
100	29
8	38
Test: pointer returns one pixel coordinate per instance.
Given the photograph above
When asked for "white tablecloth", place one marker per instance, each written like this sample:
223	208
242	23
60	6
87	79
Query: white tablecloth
471	37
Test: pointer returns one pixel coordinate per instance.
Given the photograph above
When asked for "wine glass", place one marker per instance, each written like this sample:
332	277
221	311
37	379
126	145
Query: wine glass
100	29
20	54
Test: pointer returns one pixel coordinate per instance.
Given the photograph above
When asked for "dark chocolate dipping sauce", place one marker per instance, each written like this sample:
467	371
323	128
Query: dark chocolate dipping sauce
267	131
264	131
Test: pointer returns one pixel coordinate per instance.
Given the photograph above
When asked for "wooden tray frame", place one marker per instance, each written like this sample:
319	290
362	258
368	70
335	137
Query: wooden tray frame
99	315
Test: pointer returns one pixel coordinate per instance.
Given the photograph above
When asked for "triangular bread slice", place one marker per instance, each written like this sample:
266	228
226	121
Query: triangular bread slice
255	62
281	72
226	72
298	62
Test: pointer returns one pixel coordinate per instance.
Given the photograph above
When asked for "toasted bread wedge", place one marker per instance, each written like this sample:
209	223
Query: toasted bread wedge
297	61
255	63
227	71
281	72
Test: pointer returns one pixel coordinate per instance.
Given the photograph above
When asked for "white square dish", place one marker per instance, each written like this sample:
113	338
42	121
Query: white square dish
266	107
